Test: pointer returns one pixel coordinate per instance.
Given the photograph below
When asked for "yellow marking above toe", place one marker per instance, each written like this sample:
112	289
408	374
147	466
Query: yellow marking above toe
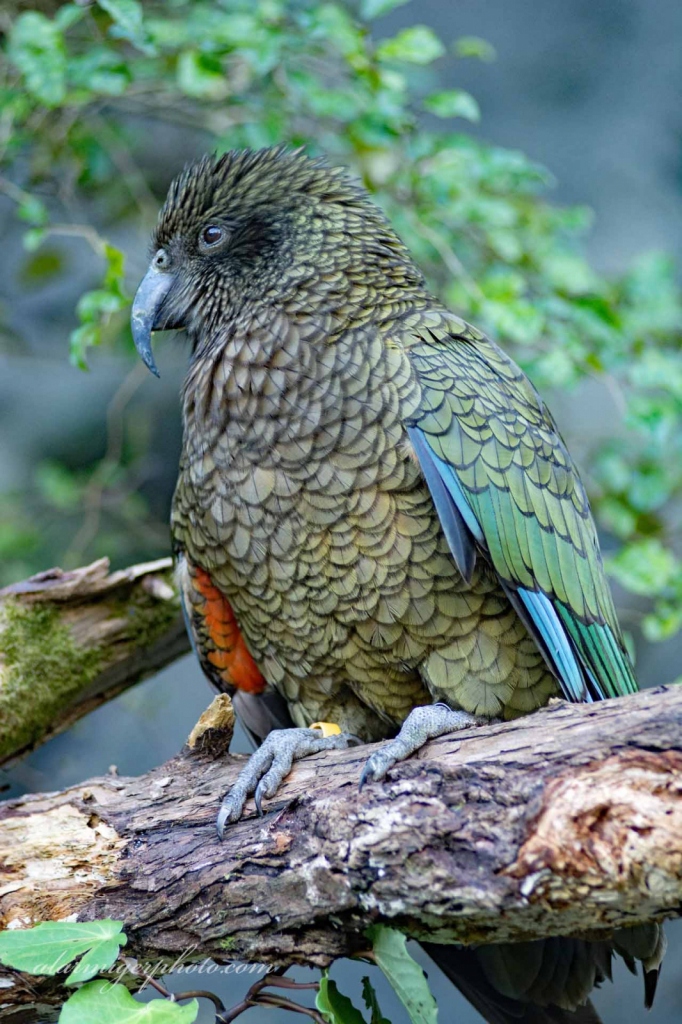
327	728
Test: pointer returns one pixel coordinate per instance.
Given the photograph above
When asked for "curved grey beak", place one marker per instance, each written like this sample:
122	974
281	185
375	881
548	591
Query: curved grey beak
144	317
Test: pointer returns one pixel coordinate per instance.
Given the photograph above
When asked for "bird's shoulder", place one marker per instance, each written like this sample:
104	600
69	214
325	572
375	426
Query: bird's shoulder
451	355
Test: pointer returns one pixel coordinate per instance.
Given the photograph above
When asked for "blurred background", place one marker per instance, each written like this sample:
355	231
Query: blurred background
530	154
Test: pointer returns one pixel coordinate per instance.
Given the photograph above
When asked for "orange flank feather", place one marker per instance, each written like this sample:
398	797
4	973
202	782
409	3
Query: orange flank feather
231	656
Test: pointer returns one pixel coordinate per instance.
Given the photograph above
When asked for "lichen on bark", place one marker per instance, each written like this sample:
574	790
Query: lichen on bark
42	667
71	640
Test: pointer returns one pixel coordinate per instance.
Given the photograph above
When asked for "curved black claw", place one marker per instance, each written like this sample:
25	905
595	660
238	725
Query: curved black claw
422	724
268	766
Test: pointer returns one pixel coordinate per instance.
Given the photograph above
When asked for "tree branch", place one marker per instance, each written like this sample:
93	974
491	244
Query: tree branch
568	820
70	641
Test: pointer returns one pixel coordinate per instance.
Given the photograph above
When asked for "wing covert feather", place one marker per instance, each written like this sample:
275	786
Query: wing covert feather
483	428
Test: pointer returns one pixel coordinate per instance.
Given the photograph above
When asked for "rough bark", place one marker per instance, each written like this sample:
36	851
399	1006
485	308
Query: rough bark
569	820
70	641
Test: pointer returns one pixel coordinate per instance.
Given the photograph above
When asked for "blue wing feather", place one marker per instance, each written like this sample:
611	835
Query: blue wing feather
455	523
463	533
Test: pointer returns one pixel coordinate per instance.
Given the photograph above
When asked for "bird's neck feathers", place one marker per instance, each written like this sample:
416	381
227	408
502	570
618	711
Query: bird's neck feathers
359	280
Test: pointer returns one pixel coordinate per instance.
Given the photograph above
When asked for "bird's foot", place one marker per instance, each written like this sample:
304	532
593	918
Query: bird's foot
267	767
422	724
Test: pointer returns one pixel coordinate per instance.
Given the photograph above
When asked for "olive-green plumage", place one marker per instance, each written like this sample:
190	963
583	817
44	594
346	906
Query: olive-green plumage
375	491
316	344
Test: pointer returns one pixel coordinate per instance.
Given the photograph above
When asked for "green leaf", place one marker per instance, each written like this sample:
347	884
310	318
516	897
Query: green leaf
127	16
115	266
372	1003
617	517
100	70
105	1003
474	46
33	210
48	947
645	567
99	302
375	8
36	47
404	974
663	622
334	1006
33	239
333	22
568	272
453	103
80	340
201	76
68	15
416	45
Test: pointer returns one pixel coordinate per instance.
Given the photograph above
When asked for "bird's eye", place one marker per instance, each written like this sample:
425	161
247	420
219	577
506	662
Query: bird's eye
212	235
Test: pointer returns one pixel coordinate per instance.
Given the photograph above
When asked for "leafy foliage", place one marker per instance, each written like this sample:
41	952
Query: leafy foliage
334	1006
81	86
372	1003
113	1004
404	974
49	947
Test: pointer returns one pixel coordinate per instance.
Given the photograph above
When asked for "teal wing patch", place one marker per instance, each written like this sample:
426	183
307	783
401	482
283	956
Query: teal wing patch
513	492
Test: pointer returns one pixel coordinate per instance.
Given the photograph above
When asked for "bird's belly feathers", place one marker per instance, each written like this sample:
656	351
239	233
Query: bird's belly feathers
349	599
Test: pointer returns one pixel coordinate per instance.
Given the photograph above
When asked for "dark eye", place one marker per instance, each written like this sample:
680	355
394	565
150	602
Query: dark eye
212	235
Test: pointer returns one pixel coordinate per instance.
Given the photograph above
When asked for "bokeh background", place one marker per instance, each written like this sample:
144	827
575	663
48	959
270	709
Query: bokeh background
100	106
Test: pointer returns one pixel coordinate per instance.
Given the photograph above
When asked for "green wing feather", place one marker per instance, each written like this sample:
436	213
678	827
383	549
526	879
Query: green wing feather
498	450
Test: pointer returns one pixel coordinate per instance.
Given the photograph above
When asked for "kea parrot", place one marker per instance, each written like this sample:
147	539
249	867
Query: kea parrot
378	528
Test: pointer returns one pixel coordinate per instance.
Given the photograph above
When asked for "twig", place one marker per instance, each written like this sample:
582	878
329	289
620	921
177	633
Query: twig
200	993
248	1000
84	231
288	1004
290	983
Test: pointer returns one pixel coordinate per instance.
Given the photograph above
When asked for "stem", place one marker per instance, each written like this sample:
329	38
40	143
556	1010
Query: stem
288	1004
201	994
290	983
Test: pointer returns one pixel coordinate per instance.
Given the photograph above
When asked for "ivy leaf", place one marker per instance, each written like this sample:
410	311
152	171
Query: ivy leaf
453	103
49	947
334	1006
372	1003
404	974
416	45
36	47
113	1004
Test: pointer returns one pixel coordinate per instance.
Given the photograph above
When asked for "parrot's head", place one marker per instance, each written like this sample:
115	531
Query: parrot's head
253	229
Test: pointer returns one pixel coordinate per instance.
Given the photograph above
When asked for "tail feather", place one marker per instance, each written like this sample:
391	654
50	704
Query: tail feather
464	969
645	942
